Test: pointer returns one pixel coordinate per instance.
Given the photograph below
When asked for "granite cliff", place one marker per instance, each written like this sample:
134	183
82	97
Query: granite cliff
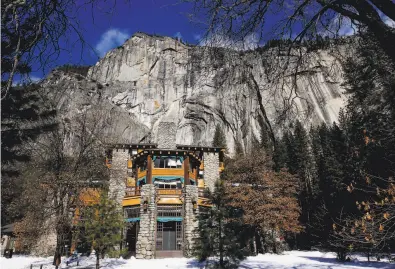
154	79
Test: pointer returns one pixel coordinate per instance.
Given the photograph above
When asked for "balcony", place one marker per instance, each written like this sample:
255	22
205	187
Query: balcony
176	192
168	172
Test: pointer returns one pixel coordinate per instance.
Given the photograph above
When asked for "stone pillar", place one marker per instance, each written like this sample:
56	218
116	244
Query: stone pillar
146	239
211	169
191	222
167	135
118	174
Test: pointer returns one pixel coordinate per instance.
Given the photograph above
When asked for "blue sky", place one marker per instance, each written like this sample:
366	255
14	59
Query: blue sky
103	31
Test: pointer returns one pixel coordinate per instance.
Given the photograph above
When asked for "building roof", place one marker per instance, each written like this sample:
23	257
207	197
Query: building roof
132	146
200	148
176	152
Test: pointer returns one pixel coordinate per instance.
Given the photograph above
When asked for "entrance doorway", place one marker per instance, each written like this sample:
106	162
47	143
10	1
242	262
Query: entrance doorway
131	238
169	239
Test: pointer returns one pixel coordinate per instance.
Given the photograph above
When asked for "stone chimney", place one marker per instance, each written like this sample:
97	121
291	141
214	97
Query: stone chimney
167	135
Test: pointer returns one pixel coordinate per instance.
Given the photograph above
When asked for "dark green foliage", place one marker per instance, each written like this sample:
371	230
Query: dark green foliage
77	69
101	224
23	118
338	163
219	139
221	232
280	155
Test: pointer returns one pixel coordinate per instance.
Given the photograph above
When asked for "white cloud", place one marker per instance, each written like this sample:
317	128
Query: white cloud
110	39
388	21
197	37
34	79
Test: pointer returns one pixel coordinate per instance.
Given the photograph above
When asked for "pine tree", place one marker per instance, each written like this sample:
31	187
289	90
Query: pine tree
221	232
289	143
280	155
219	139
302	166
24	117
102	224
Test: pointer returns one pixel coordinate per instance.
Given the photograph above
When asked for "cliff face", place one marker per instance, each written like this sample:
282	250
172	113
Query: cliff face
154	79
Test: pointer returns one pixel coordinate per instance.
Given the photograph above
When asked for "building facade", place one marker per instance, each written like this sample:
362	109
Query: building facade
161	191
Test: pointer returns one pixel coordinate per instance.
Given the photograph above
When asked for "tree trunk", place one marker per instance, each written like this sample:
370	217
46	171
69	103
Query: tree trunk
221	251
57	257
97	259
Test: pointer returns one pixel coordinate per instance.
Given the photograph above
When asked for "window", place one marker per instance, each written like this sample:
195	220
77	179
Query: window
167	162
161	184
132	212
169	210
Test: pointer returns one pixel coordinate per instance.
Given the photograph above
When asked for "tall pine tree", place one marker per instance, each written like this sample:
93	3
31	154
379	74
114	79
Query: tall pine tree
221	232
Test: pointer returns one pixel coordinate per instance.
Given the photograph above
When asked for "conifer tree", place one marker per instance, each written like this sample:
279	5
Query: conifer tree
302	165
221	232
24	117
102	224
280	155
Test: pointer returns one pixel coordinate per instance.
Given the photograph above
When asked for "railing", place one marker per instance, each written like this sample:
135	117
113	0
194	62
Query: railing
168	172
132	193
202	192
169	191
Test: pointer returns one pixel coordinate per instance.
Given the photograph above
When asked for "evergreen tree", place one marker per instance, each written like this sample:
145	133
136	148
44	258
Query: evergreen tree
221	232
302	166
102	224
219	139
290	152
24	117
280	155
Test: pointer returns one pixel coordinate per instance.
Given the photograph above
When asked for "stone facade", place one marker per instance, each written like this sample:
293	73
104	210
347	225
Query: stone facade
145	247
211	169
118	174
167	132
190	219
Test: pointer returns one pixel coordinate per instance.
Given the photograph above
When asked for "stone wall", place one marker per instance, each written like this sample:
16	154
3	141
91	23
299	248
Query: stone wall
211	171
118	174
166	137
190	222
145	247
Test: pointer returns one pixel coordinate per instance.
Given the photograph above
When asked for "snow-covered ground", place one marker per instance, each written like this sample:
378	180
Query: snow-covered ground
288	260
